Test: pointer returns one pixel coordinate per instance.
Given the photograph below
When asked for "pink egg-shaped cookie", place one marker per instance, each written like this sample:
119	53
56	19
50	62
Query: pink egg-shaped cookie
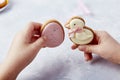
54	33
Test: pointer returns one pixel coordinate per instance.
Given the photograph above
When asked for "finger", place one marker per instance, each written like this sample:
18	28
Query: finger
89	48
88	56
31	27
36	33
34	38
39	43
96	37
95	40
74	46
97	34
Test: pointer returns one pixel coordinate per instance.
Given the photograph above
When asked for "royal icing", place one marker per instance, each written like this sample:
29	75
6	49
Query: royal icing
54	34
76	23
83	38
78	34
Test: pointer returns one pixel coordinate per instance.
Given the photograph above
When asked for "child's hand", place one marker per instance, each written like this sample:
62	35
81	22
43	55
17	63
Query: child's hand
106	47
23	50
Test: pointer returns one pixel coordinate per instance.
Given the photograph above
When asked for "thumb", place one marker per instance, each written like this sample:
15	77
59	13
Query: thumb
89	48
39	43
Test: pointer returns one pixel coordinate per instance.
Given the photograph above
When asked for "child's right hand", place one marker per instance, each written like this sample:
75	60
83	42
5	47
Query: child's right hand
23	50
106	47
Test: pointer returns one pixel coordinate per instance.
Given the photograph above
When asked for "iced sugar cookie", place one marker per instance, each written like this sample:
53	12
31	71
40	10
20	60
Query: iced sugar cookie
54	33
78	32
3	4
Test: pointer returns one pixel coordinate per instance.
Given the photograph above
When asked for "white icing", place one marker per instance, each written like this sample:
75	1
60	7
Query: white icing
76	23
83	38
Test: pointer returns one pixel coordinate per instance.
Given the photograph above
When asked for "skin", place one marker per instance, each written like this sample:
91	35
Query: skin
87	55
103	45
28	42
23	50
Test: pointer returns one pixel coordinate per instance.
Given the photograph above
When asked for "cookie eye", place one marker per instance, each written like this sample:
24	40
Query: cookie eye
74	24
77	22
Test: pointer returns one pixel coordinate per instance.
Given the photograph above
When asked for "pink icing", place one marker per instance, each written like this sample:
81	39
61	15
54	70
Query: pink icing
73	31
54	34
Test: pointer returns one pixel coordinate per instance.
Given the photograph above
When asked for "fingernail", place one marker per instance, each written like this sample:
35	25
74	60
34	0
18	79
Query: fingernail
72	48
44	46
86	59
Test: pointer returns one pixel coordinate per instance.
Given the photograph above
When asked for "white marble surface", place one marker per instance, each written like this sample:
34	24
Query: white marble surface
61	63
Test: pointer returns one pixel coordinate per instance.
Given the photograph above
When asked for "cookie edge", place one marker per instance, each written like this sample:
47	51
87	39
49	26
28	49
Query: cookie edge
75	17
4	4
86	27
50	21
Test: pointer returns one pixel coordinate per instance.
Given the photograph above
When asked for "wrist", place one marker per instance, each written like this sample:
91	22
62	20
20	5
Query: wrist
8	71
116	55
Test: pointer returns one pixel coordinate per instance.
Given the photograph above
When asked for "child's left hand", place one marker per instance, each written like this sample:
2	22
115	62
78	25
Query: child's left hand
23	50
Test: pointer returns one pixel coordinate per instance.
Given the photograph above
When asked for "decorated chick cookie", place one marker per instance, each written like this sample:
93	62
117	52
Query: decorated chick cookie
78	32
54	33
3	4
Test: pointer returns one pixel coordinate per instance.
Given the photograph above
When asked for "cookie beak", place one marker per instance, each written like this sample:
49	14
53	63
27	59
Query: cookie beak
67	26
